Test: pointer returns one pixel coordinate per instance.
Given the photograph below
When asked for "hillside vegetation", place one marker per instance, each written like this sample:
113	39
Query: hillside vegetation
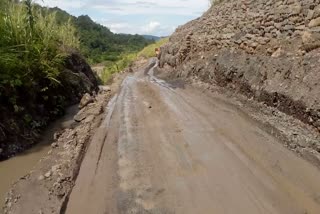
98	43
149	51
126	60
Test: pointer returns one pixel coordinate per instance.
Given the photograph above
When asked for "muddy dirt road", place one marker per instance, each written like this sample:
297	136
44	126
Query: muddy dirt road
165	149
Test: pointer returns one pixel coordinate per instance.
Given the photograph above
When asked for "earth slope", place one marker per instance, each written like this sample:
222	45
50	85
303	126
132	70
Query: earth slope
265	49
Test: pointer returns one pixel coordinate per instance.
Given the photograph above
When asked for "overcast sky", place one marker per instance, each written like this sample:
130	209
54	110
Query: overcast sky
154	17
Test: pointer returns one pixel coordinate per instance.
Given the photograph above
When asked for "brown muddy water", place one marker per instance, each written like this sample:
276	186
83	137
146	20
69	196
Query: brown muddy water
13	169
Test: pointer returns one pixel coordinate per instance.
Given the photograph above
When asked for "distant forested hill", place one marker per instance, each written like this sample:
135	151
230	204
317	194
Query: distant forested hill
150	37
97	42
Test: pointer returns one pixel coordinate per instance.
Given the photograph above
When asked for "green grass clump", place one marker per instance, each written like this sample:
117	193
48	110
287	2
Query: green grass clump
149	51
32	48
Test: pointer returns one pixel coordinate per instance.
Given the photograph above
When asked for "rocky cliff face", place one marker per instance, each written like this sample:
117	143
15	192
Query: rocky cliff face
20	130
265	49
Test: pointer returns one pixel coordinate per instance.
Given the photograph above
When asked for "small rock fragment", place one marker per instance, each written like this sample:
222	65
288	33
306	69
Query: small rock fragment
104	88
56	135
86	99
48	174
89	119
55	168
80	117
314	22
277	53
40	178
310	14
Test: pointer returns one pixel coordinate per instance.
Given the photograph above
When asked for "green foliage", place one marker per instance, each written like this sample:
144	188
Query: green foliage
149	51
32	49
124	62
99	44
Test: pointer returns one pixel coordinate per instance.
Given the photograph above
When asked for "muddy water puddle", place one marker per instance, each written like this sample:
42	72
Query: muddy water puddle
13	169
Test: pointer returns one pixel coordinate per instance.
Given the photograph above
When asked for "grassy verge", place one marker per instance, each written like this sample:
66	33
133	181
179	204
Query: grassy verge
126	60
149	51
117	66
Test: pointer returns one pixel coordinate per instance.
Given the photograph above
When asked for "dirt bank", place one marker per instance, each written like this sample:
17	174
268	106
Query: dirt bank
21	126
266	51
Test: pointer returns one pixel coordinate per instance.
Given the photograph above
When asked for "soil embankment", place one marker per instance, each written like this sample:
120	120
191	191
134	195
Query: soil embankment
265	50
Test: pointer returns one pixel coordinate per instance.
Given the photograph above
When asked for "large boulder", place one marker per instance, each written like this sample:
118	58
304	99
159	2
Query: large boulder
78	78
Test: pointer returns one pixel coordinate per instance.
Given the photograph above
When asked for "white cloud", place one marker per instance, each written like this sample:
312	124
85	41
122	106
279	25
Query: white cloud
150	7
130	7
135	16
118	27
65	5
151	27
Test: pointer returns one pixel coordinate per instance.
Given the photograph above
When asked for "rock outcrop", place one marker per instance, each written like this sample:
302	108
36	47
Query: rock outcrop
265	49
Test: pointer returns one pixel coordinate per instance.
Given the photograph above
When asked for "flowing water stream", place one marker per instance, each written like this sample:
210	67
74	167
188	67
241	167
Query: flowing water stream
14	168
